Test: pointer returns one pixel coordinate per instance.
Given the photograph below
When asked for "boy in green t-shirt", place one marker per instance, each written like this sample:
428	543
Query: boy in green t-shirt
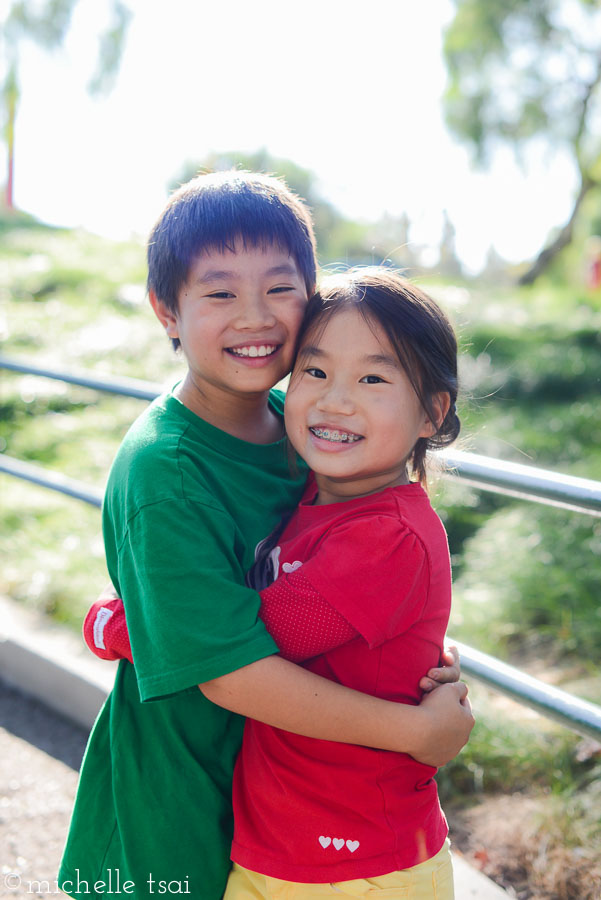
202	476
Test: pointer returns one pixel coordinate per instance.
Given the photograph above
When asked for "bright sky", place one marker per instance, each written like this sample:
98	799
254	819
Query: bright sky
351	91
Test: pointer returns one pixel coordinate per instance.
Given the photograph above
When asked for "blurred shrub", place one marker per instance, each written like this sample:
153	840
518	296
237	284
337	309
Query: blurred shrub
532	574
519	756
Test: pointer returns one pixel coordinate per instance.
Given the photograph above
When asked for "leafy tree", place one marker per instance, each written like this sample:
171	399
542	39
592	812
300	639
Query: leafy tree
526	70
47	25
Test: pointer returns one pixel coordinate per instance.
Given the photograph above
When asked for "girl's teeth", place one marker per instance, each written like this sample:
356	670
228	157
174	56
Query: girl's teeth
263	350
330	434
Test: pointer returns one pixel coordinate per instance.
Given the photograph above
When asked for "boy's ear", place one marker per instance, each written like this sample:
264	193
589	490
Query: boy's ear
440	407
166	316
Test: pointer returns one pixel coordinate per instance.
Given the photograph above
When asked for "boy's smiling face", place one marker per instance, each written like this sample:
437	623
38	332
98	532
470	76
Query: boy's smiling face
238	316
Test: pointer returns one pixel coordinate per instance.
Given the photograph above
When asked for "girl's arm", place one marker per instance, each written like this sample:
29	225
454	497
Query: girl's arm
303	624
286	696
105	632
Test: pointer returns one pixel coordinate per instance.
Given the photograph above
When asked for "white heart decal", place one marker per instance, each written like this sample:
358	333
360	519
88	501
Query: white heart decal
292	567
338	843
352	845
325	841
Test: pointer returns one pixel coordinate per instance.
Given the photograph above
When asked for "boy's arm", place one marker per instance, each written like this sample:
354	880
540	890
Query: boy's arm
287	696
282	694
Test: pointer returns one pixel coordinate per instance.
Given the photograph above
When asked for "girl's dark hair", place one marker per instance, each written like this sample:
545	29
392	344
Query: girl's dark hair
216	210
418	330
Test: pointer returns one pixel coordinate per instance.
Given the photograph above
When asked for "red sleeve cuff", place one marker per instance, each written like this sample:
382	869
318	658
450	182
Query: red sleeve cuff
105	630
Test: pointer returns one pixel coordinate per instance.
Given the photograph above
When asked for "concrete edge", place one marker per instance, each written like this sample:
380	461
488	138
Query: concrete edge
53	665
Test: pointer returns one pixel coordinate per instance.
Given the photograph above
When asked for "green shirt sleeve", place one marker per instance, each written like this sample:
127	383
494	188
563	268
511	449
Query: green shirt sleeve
189	614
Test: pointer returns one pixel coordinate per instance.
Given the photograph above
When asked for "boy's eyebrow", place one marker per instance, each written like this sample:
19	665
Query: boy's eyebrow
225	274
283	269
214	275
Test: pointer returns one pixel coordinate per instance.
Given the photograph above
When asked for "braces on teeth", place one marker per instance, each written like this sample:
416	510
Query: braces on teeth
338	436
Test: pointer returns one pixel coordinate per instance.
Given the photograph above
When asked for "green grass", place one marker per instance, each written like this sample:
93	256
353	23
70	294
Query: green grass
71	301
53	551
518	756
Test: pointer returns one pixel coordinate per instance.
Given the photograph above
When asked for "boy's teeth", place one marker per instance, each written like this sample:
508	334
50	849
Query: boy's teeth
331	434
263	350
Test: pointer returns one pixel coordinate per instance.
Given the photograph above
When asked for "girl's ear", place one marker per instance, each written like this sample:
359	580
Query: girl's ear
440	404
166	316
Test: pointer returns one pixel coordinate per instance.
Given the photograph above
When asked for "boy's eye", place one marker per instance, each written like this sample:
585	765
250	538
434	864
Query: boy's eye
281	289
220	295
372	379
315	373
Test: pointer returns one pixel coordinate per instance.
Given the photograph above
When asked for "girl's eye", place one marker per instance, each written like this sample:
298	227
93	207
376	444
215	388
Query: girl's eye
372	379
315	373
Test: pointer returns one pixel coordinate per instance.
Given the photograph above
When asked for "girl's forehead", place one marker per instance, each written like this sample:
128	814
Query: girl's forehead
345	329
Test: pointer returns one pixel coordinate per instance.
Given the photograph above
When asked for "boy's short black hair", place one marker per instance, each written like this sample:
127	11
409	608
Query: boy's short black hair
216	210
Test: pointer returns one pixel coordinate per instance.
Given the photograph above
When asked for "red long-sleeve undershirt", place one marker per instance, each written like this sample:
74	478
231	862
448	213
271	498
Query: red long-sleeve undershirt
300	620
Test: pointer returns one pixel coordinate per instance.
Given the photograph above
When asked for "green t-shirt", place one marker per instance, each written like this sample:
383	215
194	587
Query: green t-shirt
185	506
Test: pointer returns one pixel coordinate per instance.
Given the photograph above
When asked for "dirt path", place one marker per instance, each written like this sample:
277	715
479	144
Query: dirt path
39	759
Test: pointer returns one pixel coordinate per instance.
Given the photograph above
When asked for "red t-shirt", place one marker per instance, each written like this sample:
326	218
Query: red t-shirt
318	811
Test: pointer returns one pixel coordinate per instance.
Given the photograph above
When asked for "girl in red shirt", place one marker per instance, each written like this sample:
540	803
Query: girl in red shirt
360	594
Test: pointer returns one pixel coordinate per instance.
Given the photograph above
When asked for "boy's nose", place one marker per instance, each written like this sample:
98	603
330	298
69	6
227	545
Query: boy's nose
256	313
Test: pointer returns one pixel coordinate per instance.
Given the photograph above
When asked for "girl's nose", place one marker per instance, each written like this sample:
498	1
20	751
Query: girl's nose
336	399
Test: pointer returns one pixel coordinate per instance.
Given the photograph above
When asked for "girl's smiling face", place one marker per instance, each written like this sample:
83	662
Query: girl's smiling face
351	411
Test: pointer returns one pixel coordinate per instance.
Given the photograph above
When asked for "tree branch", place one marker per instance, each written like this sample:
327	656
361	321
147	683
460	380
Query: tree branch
562	240
580	130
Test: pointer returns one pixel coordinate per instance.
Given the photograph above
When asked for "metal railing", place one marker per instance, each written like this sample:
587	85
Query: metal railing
514	480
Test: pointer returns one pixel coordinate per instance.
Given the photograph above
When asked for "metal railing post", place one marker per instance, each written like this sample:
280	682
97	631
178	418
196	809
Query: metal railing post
53	480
